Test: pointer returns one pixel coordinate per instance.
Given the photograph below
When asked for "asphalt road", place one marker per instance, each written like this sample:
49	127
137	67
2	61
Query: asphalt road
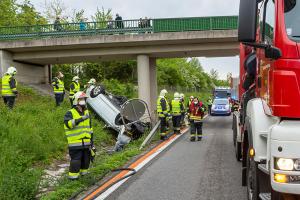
204	170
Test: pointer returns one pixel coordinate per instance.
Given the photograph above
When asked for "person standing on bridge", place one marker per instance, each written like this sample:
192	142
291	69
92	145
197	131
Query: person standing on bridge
79	133
9	87
163	111
176	109
59	88
74	87
57	25
197	110
119	21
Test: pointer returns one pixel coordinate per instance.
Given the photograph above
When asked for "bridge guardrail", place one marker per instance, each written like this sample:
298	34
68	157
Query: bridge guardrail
139	26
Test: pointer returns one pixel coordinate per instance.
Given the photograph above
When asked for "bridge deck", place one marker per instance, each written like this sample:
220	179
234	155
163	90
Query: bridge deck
119	27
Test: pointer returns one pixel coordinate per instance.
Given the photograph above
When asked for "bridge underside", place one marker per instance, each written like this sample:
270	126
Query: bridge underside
32	57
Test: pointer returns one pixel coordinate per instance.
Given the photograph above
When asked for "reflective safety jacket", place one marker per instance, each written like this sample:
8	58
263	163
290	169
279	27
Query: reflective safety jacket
209	102
196	112
74	87
176	107
79	135
9	89
58	86
162	106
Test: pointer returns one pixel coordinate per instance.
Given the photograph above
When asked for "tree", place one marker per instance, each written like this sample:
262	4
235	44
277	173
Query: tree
78	16
8	10
101	17
54	9
28	15
214	74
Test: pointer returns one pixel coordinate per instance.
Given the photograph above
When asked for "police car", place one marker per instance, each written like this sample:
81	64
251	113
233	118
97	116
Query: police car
221	107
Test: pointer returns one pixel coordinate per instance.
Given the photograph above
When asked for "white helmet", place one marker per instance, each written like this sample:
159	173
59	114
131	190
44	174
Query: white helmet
75	78
181	95
163	92
191	97
77	96
176	95
92	81
11	70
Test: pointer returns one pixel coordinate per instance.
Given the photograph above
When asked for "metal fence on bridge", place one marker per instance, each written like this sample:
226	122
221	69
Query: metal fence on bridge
119	27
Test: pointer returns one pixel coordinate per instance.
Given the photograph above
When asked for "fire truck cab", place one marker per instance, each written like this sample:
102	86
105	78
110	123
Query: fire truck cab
267	126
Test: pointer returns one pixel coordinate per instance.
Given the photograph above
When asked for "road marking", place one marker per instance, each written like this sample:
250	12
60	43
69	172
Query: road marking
137	165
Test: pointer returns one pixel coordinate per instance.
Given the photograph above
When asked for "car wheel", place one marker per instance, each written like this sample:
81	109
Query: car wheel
97	90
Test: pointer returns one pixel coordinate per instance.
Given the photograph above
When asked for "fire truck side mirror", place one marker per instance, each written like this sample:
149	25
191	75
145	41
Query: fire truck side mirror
272	52
247	21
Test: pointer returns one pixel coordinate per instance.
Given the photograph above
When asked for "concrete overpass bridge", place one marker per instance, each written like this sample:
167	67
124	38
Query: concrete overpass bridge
32	49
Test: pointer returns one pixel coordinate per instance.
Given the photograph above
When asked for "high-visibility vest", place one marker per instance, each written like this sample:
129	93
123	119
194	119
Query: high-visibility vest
61	87
197	116
159	107
6	90
176	109
76	89
209	102
78	135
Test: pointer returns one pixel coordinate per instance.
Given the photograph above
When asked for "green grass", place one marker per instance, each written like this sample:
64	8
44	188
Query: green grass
32	136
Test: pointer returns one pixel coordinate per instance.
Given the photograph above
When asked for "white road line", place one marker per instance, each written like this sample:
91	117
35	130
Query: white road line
137	168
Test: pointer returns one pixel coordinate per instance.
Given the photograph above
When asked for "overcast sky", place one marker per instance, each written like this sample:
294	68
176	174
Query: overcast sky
134	9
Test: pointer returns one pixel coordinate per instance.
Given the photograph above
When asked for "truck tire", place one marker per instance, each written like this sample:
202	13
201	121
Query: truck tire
252	179
238	150
234	131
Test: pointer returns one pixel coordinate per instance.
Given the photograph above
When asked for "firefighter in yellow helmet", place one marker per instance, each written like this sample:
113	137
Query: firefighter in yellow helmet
9	87
74	87
79	133
58	88
176	108
163	111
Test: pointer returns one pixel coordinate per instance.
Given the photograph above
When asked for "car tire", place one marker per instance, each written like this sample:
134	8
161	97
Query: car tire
97	90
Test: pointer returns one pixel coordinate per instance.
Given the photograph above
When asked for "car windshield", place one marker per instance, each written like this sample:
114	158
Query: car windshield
292	19
220	101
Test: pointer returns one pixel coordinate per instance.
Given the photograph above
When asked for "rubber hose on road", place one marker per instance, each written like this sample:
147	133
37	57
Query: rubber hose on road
133	171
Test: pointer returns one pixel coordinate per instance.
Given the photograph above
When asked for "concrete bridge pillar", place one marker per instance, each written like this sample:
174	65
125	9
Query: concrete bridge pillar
27	73
153	86
147	82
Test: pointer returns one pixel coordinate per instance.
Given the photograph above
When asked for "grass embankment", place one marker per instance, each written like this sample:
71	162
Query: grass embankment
32	136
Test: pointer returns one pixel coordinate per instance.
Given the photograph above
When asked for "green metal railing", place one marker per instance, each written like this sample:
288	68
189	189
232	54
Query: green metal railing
119	27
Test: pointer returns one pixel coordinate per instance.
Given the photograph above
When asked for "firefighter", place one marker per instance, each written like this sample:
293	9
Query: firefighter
189	102
182	111
188	107
235	106
79	133
59	88
163	112
176	109
197	110
74	87
209	104
9	87
89	86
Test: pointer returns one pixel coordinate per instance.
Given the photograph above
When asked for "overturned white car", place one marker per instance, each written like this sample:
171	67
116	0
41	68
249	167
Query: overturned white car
128	117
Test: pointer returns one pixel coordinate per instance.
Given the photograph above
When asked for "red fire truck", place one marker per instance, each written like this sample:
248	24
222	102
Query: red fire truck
267	126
